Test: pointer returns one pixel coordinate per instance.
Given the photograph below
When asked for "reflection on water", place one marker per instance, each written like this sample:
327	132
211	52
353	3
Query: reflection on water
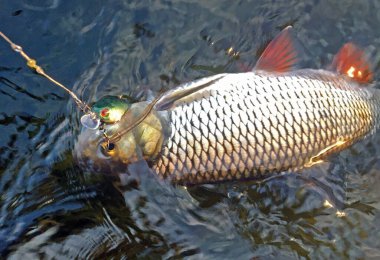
49	207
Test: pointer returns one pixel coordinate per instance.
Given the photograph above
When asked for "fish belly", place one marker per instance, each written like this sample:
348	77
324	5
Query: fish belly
248	125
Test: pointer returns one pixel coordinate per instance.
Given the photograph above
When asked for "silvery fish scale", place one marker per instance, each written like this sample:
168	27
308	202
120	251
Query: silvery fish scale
246	125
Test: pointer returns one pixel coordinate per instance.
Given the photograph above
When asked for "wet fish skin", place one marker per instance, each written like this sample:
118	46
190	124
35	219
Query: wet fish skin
245	125
248	125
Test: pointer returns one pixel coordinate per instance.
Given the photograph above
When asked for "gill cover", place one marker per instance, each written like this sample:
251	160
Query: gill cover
144	141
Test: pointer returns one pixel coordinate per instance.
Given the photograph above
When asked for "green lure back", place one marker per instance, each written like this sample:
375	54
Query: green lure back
110	109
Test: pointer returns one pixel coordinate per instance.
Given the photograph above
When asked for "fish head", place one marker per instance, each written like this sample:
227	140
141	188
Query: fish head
110	149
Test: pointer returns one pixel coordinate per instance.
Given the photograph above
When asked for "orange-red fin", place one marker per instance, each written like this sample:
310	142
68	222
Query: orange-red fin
352	62
280	55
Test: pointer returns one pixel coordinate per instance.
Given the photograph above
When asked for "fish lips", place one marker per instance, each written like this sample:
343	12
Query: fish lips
89	156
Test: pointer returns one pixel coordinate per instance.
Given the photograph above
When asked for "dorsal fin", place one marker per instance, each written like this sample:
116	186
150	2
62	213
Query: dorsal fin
352	62
280	55
185	92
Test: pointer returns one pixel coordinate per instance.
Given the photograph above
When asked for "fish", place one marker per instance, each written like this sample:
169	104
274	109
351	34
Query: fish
243	126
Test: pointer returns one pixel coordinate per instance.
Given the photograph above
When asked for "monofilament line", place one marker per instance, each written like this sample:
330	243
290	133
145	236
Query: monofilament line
31	63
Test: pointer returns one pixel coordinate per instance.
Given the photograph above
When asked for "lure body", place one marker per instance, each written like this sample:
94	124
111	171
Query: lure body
247	125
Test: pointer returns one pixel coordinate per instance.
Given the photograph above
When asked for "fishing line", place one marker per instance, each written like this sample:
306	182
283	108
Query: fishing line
90	119
31	63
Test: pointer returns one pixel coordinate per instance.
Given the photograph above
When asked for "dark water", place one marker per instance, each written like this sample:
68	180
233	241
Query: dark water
49	208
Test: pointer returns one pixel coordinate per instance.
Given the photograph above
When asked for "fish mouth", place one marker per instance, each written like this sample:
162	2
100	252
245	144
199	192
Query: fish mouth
91	155
88	154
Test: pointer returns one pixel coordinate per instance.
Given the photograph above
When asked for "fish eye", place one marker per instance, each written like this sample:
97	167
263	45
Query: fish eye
111	146
107	149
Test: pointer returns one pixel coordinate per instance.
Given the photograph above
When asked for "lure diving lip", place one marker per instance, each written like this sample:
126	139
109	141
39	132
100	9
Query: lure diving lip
89	122
239	126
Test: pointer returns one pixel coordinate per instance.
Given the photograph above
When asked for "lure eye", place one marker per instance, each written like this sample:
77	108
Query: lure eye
105	112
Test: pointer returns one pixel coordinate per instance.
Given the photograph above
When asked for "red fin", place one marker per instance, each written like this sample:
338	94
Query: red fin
280	55
352	62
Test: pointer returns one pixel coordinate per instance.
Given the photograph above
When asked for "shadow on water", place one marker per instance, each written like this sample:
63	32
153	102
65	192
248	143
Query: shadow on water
49	208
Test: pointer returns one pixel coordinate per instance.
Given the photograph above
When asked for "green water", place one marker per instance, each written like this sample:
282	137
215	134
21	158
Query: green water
50	208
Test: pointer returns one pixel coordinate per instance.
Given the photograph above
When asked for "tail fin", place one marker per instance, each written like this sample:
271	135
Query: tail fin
352	62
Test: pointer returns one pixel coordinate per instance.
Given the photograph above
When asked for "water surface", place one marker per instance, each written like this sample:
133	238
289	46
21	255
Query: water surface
49	208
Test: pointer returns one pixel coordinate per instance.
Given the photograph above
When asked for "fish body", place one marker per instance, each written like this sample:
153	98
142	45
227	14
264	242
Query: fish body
247	125
237	126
